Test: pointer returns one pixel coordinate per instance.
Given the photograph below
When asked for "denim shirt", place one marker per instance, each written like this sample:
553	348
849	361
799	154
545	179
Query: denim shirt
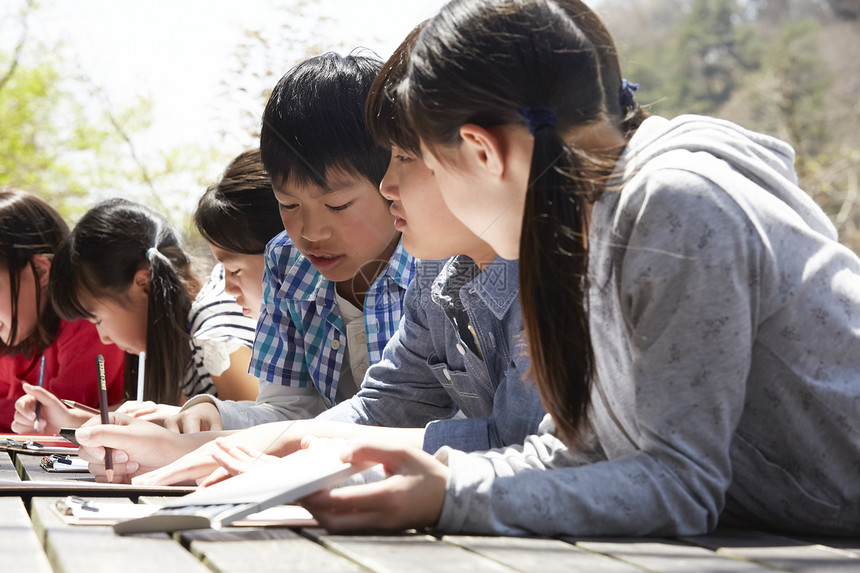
455	349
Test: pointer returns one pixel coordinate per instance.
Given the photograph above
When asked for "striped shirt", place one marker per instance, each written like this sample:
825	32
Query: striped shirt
218	328
300	334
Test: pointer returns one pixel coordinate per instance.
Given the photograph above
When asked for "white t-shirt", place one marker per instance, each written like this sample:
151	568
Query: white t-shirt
356	356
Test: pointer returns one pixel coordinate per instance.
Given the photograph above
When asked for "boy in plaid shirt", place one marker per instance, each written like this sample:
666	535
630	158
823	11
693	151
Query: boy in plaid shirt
335	280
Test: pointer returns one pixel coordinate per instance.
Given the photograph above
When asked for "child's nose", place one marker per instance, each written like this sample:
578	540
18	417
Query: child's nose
388	187
315	229
231	288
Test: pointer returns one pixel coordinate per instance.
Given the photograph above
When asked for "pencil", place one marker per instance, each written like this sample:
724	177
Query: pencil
141	367
103	408
82	407
41	385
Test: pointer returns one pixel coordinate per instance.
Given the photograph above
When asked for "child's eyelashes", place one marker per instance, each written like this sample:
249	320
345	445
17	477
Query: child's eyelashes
334	208
235	273
339	207
403	158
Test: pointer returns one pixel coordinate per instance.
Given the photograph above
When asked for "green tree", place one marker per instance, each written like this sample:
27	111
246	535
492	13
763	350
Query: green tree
710	52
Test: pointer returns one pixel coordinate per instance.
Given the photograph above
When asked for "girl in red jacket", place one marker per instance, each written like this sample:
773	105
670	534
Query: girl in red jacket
30	231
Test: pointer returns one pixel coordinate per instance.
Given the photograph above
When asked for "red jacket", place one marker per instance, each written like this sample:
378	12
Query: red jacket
70	370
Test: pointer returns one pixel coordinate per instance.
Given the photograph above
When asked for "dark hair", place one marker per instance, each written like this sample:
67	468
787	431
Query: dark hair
386	123
314	122
487	63
239	213
28	227
100	257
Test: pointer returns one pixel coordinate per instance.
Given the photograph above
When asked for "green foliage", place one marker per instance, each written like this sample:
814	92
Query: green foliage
32	141
783	67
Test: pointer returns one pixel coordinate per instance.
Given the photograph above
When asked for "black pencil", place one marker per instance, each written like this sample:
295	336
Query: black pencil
103	408
41	385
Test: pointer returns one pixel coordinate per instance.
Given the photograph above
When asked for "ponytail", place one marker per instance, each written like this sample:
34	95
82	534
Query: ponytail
167	338
554	271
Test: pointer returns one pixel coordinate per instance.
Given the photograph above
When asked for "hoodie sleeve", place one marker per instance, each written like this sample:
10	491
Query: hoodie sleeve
677	323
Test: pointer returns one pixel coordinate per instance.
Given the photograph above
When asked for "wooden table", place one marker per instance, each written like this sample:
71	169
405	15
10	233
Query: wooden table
33	538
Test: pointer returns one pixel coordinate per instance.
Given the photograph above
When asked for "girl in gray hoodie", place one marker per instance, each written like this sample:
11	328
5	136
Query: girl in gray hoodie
693	323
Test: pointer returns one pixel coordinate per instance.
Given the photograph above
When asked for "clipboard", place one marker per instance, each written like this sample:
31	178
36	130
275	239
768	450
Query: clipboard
37	445
64	463
267	485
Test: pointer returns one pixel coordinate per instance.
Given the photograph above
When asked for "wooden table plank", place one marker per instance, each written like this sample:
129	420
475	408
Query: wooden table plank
7	467
667	556
19	546
95	549
779	552
240	550
544	555
404	552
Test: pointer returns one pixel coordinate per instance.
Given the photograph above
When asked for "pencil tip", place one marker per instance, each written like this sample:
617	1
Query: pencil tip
109	474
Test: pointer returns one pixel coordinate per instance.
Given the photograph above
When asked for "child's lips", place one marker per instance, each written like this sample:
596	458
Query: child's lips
324	260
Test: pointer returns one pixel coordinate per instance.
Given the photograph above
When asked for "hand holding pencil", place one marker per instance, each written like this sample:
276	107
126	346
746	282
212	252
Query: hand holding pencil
54	413
105	416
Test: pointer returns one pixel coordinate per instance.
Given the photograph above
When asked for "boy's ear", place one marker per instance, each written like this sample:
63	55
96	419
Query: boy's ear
43	269
485	147
141	280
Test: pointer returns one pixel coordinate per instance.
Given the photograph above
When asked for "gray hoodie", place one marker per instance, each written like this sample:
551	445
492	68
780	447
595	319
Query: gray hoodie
726	326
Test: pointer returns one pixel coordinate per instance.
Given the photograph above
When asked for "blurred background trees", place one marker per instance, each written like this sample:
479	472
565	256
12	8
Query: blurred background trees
788	68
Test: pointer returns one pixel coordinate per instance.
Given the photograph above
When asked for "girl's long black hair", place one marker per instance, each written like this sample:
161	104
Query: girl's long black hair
551	66
99	259
28	227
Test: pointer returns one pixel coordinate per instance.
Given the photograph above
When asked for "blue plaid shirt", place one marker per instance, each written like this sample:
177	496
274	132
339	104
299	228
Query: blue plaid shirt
300	336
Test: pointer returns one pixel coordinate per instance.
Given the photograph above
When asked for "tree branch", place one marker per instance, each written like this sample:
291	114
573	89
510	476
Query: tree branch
19	47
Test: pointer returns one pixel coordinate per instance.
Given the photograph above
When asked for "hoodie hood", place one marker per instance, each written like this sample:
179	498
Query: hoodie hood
764	160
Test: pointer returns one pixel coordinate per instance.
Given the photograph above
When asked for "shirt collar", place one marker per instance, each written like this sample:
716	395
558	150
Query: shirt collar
497	285
313	286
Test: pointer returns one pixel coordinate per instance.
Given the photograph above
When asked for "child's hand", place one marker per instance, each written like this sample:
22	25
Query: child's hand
138	446
411	496
53	415
234	460
202	417
148	410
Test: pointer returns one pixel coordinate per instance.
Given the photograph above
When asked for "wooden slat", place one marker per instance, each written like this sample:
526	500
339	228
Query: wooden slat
95	549
779	552
667	556
273	549
7	467
544	555
405	552
20	549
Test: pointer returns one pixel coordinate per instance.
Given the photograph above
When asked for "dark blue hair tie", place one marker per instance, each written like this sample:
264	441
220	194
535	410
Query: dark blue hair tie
538	117
625	93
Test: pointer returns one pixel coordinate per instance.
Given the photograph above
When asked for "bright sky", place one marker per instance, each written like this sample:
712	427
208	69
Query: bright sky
178	53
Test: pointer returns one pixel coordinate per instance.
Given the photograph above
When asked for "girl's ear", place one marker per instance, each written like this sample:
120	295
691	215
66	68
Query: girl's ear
141	280
483	147
43	269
